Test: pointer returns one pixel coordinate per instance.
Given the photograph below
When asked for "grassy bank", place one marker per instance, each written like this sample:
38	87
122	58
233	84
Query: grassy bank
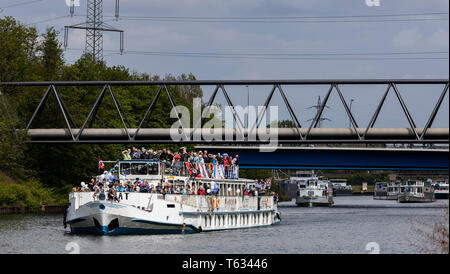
358	188
27	194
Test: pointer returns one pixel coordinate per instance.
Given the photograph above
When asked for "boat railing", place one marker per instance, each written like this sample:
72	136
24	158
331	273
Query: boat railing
202	202
140	167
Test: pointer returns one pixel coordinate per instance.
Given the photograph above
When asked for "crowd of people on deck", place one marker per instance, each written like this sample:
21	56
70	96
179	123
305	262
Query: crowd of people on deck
115	189
202	163
260	187
178	161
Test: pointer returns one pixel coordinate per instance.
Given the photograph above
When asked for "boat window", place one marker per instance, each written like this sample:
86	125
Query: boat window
152	168
304	175
124	168
138	169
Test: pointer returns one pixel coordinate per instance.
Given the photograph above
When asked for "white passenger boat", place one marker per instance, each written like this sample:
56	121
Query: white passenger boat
311	191
440	189
416	192
386	190
153	213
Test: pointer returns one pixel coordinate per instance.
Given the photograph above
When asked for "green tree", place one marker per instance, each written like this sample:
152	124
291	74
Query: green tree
12	141
51	55
18	46
286	124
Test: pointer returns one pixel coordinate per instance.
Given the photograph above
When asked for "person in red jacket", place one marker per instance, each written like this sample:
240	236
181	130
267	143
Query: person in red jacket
201	191
246	191
226	165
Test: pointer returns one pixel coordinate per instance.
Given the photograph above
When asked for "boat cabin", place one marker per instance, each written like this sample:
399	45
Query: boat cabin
415	187
338	182
158	172
393	187
381	186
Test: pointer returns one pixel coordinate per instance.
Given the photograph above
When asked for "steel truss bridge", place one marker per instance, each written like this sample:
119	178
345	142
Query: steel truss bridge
310	134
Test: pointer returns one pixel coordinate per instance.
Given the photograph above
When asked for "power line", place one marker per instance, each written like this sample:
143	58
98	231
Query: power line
19	4
290	19
48	20
266	53
283	17
312	58
282	21
56	18
294	56
294	19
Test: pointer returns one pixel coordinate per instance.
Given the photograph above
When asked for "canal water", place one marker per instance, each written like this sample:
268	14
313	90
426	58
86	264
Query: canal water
355	224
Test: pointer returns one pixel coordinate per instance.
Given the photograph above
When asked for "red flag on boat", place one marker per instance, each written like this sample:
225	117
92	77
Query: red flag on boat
101	165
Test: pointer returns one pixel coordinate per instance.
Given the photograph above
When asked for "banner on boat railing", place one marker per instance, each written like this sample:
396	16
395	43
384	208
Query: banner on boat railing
213	171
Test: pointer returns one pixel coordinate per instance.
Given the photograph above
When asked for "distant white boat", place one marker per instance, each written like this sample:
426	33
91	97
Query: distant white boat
416	192
311	191
440	189
152	213
386	190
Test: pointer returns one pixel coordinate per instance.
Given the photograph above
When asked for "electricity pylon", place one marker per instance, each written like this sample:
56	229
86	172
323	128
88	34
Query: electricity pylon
318	106
94	26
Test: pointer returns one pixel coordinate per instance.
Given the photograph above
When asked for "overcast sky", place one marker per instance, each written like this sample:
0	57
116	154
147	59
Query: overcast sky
278	38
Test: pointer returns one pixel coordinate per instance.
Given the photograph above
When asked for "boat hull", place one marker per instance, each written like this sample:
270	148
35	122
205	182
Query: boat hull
107	218
167	215
407	198
386	197
342	192
306	201
128	226
440	195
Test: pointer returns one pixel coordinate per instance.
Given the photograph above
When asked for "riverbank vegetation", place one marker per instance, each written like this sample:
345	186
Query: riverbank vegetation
39	173
29	193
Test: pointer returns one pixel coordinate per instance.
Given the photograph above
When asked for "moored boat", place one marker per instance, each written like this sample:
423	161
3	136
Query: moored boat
440	189
386	190
412	191
311	191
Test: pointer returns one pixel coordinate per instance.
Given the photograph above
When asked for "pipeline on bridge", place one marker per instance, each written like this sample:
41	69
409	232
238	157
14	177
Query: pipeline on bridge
310	134
230	135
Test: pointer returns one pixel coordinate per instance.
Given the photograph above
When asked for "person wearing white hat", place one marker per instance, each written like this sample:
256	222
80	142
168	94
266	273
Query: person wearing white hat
84	187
